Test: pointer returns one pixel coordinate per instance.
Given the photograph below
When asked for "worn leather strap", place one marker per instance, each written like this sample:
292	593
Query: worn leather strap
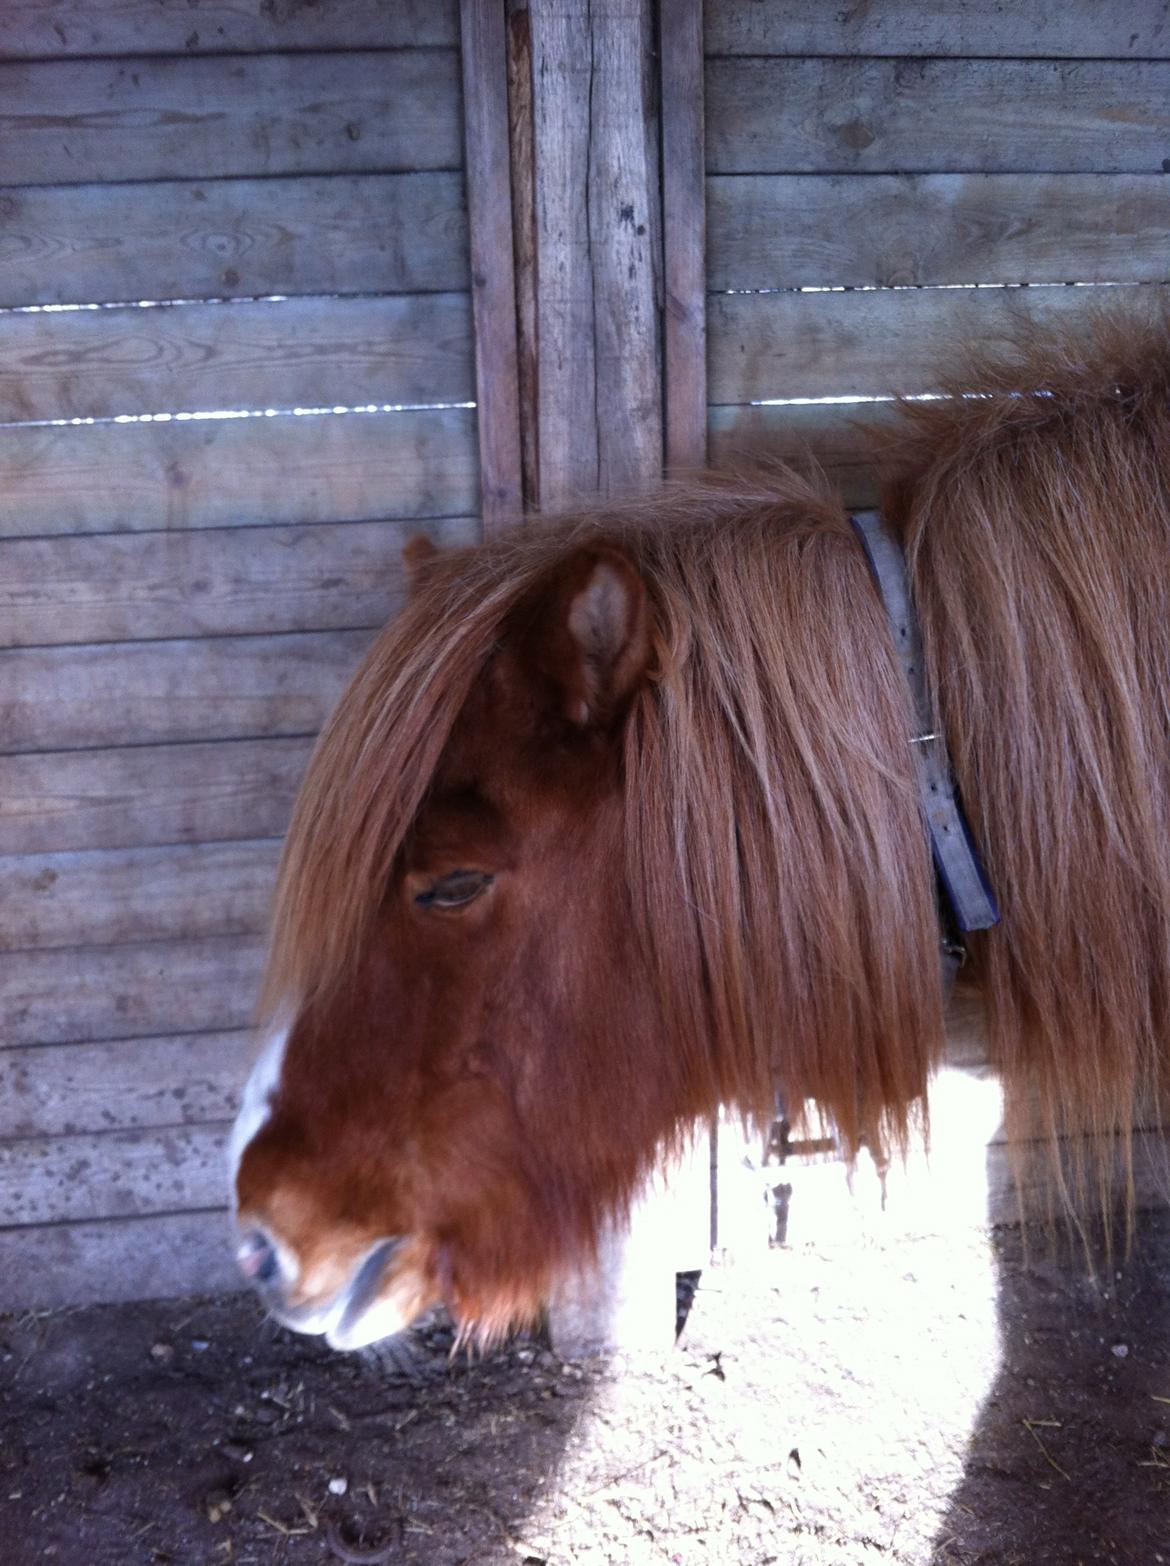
956	859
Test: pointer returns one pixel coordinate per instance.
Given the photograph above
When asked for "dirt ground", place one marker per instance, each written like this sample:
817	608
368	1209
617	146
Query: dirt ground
917	1401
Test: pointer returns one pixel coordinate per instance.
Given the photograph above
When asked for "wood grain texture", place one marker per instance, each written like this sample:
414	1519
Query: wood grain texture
148	795
169	1256
493	281
684	240
112	992
407	348
239	472
101	898
157	693
115	1174
872	343
831	435
923	116
60	28
204	117
349	233
522	158
598	248
567	439
808	230
625	241
210	582
127	1084
1136	30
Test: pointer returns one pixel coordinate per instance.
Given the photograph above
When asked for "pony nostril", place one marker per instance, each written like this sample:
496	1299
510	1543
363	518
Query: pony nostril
258	1259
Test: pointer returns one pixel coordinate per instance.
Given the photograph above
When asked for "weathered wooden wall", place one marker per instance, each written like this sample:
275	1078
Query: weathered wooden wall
182	596
866	162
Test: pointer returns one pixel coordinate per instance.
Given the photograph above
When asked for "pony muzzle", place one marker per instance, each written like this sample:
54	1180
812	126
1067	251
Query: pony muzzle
377	1301
362	1299
390	1289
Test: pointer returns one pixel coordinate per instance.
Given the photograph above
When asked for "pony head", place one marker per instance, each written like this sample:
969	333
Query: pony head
608	830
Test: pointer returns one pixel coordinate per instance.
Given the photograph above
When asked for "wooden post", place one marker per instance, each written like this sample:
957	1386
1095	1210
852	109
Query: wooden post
597	248
493	292
524	238
684	231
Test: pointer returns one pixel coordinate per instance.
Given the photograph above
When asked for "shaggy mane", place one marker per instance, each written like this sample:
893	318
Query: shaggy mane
1036	520
778	866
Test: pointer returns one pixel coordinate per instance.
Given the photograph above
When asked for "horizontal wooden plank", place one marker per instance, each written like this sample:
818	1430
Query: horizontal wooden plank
112	992
364	233
148	795
828	116
871	343
115	1174
169	1256
153	693
51	28
101	897
831	435
809	230
1029	1183
126	1084
405	348
203	117
1136	30
237	472
214	582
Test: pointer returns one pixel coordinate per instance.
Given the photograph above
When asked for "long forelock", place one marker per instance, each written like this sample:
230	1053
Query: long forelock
369	773
376	758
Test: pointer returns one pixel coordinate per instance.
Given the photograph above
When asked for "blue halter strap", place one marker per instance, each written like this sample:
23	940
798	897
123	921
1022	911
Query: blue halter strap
956	859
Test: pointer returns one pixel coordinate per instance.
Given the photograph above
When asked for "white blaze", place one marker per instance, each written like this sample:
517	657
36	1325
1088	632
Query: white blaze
256	1105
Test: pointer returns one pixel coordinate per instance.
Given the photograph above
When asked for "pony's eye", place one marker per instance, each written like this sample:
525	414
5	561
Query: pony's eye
455	889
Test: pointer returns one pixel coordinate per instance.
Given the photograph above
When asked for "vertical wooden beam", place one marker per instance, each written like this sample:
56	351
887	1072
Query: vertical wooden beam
597	216
684	227
524	238
489	211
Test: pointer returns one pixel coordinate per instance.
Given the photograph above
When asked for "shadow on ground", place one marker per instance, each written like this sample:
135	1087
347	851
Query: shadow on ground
197	1433
1069	1461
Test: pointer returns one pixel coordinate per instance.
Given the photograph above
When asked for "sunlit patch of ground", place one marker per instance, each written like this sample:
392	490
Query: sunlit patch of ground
821	1411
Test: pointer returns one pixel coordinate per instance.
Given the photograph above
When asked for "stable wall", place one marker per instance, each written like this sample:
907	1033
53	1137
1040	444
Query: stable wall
867	164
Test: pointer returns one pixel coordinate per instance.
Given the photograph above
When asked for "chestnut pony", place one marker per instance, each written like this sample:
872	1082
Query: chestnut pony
618	823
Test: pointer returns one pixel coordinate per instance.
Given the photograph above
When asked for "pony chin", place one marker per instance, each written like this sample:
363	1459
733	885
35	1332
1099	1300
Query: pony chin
421	1278
488	1313
407	1293
488	1321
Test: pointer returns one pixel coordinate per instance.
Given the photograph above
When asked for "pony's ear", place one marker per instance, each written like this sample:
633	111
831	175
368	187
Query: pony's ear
593	639
417	554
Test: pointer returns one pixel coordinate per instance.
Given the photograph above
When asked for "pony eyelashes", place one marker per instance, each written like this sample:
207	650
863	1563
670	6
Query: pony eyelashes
455	889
